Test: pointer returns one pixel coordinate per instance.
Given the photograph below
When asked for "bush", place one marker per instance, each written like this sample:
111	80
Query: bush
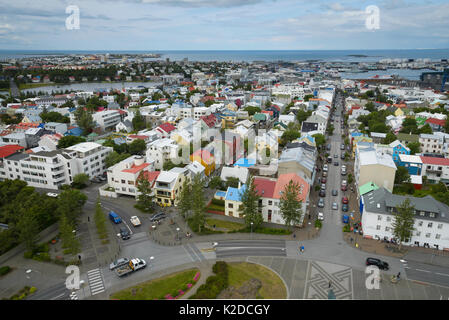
318	223
33	290
346	228
4	270
214	284
218	202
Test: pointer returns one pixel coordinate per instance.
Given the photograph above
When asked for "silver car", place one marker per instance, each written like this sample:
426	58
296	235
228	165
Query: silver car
118	263
321	203
334	206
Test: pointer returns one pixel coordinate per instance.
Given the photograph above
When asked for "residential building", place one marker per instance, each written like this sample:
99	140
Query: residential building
373	166
431	143
107	119
161	151
168	186
412	163
435	169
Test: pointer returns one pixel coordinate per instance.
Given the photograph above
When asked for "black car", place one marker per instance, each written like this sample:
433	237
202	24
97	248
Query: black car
342	157
377	262
322	193
158	216
336	163
345	207
124	233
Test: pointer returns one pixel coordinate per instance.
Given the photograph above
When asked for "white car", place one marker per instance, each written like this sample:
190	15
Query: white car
325	168
320	216
135	221
53	195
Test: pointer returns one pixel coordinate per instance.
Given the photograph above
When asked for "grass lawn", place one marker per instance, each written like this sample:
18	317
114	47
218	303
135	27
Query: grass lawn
34	85
231	226
272	286
157	288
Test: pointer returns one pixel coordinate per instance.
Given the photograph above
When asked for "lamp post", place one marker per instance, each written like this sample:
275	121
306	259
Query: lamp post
177	233
151	261
251	230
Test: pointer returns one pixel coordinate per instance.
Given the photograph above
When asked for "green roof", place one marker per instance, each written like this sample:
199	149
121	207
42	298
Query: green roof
420	121
408	137
367	187
260	117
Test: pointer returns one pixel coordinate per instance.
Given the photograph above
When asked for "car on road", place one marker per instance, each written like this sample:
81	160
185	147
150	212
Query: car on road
329	159
334	206
125	234
321	203
335	192
377	262
102	178
95	180
335	156
320	216
52	194
342	157
344	188
336	163
323	180
158	216
345	200
117	263
344	183
322	193
115	217
135	221
345	207
324	174
325	168
342	147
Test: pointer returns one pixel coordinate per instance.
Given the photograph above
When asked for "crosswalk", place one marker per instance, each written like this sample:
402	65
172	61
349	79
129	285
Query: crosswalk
96	283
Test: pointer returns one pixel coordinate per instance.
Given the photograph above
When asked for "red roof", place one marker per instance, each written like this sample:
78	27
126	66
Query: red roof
9	149
436	121
284	180
210	120
264	187
167	127
435	160
151	175
136	136
135	169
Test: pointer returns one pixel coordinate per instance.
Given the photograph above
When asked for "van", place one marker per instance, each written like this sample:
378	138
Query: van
328	147
115	217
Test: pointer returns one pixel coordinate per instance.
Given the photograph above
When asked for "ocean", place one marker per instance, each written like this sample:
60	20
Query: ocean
256	55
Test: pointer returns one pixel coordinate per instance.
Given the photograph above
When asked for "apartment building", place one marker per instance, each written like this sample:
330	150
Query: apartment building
107	119
431	143
160	151
90	157
431	228
435	169
168	186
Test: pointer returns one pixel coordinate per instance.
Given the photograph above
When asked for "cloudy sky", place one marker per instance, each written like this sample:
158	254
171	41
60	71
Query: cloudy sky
223	25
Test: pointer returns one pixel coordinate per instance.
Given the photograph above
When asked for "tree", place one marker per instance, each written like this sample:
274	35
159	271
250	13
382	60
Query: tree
250	205
402	175
215	183
198	203
69	141
446	126
84	120
307	97
70	204
100	220
289	136
145	197
185	199
53	117
69	241
425	129
403	222
319	139
138	146
389	138
80	180
415	147
302	115
138	121
114	157
28	228
290	204
252	110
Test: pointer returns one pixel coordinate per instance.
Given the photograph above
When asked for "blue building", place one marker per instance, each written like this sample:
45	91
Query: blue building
412	163
398	149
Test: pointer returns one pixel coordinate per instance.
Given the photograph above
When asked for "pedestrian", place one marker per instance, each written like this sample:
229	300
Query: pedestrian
330	284
88	219
398	276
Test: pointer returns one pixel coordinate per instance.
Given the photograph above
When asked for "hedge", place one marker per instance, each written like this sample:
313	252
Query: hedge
4	270
214	284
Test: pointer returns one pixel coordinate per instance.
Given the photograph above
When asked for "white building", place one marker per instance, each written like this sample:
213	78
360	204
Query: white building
107	119
431	143
431	228
160	151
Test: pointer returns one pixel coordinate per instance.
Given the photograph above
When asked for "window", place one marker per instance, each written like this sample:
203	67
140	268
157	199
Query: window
230	205
420	224
440	226
427	235
388	219
432	214
418	233
437	236
378	227
379	218
270	202
429	225
387	229
422	214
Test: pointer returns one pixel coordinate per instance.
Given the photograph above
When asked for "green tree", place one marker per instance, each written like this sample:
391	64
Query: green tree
84	120
425	129
70	204
68	238
80	180
403	221
389	138
114	157
198	203
185	199
28	228
100	220
53	117
402	175
138	121
446	126
215	183
250	205
145	197
290	204
415	147
319	139
69	141
137	147
307	97
252	110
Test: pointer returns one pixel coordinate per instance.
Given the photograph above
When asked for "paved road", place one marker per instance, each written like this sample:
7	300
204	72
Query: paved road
226	249
56	292
14	90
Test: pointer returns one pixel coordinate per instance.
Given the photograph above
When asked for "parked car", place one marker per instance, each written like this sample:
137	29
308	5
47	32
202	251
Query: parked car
342	147
321	203
345	207
325	168
377	262
325	174
342	156
345	200
344	188
158	216
135	221
323	180
335	192
322	193
124	233
320	216
329	159
115	217
102	178
334	206
335	156
117	263
52	194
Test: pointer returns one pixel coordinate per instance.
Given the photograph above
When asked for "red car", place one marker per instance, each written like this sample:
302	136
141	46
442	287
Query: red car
345	200
323	180
344	188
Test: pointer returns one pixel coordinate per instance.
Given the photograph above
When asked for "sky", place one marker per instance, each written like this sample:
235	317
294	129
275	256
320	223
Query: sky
224	25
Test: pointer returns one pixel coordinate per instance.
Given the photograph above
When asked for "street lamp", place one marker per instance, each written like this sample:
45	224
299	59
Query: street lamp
251	230
151	260
177	233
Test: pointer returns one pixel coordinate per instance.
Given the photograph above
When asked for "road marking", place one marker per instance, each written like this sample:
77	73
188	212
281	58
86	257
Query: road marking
442	274
96	283
422	270
54	298
127	227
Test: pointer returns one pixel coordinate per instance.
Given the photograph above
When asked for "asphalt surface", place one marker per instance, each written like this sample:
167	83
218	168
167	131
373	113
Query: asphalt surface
226	249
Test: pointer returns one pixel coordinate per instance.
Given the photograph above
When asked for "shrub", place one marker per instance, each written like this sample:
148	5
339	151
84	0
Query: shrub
346	228
318	224
4	270
214	284
218	202
33	290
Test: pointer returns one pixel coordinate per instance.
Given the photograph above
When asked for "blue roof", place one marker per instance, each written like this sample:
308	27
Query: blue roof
234	194
74	132
119	141
245	162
